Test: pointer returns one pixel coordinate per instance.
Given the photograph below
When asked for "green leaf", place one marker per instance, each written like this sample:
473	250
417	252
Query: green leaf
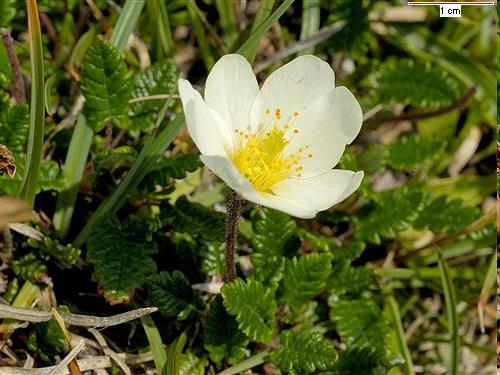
14	126
7	12
350	280
106	85
192	365
409	152
174	167
174	355
364	361
305	277
393	212
213	263
361	324
121	256
272	229
269	270
416	83
195	219
158	79
254	307
304	352
172	294
47	340
443	214
223	339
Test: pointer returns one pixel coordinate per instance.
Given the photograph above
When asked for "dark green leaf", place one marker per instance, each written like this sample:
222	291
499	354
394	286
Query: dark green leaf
272	229
174	167
106	85
409	152
416	83
47	340
360	362
121	256
223	339
172	293
158	79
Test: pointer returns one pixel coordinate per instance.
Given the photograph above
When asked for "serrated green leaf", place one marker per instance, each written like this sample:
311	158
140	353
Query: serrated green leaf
350	280
14	126
223	339
174	167
304	352
172	293
364	361
106	85
272	229
269	270
415	83
195	219
158	79
121	256
305	277
408	152
393	212
254	307
443	214
361	324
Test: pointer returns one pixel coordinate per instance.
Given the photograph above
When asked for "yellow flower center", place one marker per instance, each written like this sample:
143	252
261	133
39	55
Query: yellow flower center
261	157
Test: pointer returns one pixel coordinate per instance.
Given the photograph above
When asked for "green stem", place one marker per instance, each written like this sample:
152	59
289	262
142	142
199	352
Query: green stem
201	38
263	12
162	39
154	338
451	312
400	334
310	22
249	46
247	364
37	109
227	21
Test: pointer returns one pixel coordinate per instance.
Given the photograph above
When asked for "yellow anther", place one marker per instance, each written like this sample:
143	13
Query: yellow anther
295	114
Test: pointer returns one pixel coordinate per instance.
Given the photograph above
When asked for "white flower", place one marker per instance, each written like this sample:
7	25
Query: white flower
276	146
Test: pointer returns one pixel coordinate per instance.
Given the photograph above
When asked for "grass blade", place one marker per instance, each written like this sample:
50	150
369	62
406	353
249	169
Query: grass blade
227	21
154	338
310	22
248	47
73	171
126	23
174	355
37	107
265	9
162	39
247	364
451	312
400	334
82	135
201	38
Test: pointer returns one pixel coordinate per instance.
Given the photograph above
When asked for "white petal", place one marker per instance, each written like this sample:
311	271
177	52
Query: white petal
320	192
225	169
231	89
206	127
327	126
293	87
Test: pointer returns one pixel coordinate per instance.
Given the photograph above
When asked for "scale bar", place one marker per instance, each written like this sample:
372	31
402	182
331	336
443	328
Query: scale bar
451	3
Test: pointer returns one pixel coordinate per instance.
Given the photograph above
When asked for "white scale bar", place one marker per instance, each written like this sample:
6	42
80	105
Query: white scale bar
451	8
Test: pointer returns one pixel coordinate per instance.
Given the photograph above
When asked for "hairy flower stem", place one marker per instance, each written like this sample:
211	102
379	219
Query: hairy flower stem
233	206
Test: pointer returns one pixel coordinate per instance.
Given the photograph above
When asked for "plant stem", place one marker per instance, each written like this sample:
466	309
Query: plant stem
233	206
247	364
37	107
310	22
